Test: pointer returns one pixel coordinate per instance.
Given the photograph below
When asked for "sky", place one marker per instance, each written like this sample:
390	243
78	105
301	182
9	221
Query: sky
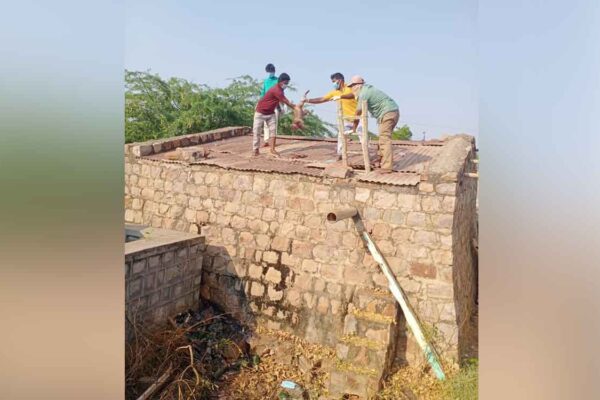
421	53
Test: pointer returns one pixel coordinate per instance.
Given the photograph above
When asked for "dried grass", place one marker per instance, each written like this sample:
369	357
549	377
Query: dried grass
199	375
150	353
375	317
188	384
262	380
418	382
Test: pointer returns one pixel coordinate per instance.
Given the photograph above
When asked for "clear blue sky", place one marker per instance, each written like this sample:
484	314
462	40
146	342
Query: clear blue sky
421	53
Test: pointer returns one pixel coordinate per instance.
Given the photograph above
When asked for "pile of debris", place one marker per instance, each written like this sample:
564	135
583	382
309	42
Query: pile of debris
187	358
206	354
189	154
288	368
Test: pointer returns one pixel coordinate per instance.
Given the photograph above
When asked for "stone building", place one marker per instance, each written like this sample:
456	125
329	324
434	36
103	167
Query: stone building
271	259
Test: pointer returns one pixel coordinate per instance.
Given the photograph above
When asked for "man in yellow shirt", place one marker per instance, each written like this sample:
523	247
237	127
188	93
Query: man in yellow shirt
348	105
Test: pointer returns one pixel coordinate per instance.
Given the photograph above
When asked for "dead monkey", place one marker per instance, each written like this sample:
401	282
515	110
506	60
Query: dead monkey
299	113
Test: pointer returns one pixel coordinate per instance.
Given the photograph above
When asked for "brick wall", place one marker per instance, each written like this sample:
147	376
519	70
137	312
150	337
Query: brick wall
162	275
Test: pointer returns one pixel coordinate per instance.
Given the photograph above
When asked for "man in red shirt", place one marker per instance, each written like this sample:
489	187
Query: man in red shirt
265	112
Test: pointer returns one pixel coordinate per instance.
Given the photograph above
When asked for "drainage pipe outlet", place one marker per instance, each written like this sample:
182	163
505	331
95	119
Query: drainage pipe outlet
338	215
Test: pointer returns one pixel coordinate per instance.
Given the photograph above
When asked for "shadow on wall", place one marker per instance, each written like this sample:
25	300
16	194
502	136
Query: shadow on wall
222	285
164	280
468	322
401	342
229	281
466	266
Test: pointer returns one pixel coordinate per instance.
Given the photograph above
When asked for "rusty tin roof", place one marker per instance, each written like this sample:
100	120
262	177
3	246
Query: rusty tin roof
310	156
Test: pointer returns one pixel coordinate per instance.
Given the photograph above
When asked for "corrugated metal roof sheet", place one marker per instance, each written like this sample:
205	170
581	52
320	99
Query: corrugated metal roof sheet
394	178
310	156
261	164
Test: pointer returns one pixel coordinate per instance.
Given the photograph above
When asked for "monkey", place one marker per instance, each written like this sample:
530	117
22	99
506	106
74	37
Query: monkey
299	113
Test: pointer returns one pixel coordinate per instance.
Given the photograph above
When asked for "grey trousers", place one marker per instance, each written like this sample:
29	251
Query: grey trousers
260	120
267	129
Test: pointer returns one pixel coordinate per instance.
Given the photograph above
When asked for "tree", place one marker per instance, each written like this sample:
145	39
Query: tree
155	108
403	133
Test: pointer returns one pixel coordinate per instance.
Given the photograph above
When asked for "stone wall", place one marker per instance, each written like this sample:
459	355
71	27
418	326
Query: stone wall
271	258
163	272
447	175
464	231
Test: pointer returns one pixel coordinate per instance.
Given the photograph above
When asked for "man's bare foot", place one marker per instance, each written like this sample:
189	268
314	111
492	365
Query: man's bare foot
385	170
265	144
274	153
256	153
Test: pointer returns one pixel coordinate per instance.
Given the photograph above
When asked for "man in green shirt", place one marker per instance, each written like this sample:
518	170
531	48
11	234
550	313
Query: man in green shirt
384	109
268	83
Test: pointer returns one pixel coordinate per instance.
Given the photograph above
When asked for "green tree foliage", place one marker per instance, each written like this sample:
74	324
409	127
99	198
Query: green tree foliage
403	133
155	108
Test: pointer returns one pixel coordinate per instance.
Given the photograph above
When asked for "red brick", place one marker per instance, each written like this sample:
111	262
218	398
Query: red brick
423	270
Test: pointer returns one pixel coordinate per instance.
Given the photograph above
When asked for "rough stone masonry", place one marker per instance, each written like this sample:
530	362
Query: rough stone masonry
272	260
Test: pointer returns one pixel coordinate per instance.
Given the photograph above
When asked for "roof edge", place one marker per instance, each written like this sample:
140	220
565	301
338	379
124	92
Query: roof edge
155	146
450	161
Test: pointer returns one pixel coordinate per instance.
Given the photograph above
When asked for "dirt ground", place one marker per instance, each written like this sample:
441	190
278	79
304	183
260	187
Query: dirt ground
209	355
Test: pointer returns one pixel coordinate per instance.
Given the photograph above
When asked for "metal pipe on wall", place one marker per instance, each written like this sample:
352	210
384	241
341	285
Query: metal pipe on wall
338	215
407	309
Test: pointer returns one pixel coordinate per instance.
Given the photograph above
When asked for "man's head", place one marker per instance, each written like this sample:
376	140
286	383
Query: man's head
338	80
270	69
284	80
356	84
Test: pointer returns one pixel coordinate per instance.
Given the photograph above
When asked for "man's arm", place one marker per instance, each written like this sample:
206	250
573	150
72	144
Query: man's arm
285	101
359	110
317	100
347	96
323	99
356	121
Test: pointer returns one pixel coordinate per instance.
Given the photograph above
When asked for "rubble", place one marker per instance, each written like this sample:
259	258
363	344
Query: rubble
200	346
213	356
